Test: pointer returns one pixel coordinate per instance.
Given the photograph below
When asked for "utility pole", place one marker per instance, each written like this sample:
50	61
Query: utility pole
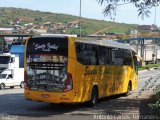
154	55
80	20
155	15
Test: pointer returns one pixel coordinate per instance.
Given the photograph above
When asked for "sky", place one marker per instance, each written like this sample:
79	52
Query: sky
89	9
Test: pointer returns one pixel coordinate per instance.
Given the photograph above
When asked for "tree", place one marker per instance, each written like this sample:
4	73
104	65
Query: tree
143	6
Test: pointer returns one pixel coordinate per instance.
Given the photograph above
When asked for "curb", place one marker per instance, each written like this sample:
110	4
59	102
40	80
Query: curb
154	68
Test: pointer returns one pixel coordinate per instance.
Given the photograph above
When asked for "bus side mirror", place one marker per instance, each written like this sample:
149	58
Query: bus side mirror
139	60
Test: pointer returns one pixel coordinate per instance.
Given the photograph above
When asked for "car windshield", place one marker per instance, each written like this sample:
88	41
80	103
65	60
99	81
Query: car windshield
4	59
3	76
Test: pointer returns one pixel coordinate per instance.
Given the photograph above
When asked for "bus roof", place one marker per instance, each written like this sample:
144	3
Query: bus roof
108	43
102	42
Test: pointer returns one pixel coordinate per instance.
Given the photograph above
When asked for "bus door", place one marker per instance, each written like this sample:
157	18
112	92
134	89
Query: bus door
135	63
123	69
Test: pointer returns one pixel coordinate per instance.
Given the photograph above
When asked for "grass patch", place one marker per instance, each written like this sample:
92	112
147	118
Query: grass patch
149	66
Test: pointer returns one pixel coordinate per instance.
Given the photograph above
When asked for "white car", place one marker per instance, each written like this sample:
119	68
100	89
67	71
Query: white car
8	80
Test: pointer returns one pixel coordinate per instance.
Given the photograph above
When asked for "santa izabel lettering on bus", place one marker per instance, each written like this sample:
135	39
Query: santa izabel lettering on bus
46	47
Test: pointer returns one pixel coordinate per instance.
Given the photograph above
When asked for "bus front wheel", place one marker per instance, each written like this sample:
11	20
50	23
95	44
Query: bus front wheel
94	97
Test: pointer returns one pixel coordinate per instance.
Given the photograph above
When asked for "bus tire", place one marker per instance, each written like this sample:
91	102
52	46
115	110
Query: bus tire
94	97
2	86
22	85
129	89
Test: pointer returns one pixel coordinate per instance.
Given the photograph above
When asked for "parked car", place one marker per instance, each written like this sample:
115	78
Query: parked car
11	78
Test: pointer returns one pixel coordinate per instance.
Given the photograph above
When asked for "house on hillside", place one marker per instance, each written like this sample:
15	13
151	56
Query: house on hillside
36	26
47	23
38	19
57	25
41	31
23	30
147	28
7	30
72	25
29	25
51	30
17	21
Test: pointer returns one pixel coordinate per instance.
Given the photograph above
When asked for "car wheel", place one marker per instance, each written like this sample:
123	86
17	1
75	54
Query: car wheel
2	86
22	85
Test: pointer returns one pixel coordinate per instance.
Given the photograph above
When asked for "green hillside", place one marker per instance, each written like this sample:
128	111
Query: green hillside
89	26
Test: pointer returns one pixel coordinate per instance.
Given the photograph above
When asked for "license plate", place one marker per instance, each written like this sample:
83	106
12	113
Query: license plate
45	95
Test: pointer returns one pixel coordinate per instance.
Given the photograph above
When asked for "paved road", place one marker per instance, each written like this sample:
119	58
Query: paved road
13	106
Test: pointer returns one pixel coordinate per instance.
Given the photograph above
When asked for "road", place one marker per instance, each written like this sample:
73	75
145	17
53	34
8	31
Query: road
102	30
13	106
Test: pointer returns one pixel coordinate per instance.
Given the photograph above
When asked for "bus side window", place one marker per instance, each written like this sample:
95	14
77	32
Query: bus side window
117	56
86	54
127	58
104	55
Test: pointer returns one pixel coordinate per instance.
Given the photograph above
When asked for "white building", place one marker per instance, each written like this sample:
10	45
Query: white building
6	30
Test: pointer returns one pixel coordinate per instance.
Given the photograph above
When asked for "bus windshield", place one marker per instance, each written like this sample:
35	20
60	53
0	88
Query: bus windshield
47	64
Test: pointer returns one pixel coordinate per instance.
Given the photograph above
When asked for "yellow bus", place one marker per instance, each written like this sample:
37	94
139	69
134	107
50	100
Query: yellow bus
65	69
